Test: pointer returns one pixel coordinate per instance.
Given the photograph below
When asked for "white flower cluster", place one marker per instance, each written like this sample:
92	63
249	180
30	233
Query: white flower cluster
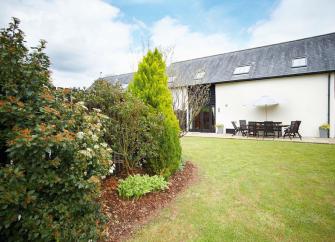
95	138
103	116
82	105
80	135
92	150
88	153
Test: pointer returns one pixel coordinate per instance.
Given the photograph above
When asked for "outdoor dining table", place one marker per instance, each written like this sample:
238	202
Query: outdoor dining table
279	125
282	125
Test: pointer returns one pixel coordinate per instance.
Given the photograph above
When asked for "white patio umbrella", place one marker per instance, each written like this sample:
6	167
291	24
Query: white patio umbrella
266	101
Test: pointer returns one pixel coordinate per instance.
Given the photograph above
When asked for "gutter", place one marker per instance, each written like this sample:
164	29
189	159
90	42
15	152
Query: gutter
267	77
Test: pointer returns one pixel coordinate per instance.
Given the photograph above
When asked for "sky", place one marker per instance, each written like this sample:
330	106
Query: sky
88	39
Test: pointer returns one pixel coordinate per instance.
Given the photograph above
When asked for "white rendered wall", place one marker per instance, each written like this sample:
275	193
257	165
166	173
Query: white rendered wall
302	98
180	101
180	97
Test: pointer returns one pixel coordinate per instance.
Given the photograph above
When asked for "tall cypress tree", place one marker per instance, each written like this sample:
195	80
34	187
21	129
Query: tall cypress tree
150	84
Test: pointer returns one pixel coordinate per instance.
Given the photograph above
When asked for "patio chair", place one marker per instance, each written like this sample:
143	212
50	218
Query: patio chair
237	129
243	127
293	130
259	128
252	128
277	128
269	129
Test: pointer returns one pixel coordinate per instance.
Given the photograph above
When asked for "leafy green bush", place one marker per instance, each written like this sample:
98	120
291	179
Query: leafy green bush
169	158
52	154
132	126
150	84
136	186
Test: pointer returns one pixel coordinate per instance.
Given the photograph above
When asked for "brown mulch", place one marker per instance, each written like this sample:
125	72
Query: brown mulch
127	216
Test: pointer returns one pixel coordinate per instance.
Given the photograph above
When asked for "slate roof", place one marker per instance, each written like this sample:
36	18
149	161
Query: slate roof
266	62
122	78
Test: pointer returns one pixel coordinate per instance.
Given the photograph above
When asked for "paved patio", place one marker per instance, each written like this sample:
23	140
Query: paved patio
229	136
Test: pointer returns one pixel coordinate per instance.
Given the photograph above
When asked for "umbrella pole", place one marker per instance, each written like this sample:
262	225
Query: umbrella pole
266	112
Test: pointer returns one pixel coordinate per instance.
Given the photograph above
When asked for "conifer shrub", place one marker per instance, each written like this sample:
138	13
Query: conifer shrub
150	85
52	154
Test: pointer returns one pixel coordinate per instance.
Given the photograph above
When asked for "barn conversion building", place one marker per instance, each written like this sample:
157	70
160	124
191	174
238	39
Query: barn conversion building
299	75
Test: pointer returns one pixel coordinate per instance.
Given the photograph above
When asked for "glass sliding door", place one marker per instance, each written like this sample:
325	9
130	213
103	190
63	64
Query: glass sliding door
204	121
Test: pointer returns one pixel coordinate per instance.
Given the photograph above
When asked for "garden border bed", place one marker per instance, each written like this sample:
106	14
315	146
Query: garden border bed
126	216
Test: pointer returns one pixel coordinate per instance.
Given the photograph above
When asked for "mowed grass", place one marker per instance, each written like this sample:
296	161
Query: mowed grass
252	191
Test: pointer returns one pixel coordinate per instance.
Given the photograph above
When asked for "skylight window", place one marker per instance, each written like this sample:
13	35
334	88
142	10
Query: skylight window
171	79
242	70
299	62
199	75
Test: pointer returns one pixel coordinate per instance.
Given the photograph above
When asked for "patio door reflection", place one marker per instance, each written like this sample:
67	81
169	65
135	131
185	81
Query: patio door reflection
205	120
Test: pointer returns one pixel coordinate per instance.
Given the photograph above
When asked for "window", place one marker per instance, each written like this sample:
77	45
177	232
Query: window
199	75
299	62
242	70
171	79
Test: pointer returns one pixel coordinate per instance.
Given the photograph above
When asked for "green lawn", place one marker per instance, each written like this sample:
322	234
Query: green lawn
252	191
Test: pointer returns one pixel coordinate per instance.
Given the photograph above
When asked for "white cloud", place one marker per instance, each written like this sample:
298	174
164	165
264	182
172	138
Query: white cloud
289	20
187	44
130	2
294	19
84	39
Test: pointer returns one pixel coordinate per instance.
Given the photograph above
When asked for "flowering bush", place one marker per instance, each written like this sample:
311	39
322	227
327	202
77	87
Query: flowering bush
132	127
52	154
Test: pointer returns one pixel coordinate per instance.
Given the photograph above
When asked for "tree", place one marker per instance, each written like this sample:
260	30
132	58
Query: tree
190	93
188	101
51	151
150	84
